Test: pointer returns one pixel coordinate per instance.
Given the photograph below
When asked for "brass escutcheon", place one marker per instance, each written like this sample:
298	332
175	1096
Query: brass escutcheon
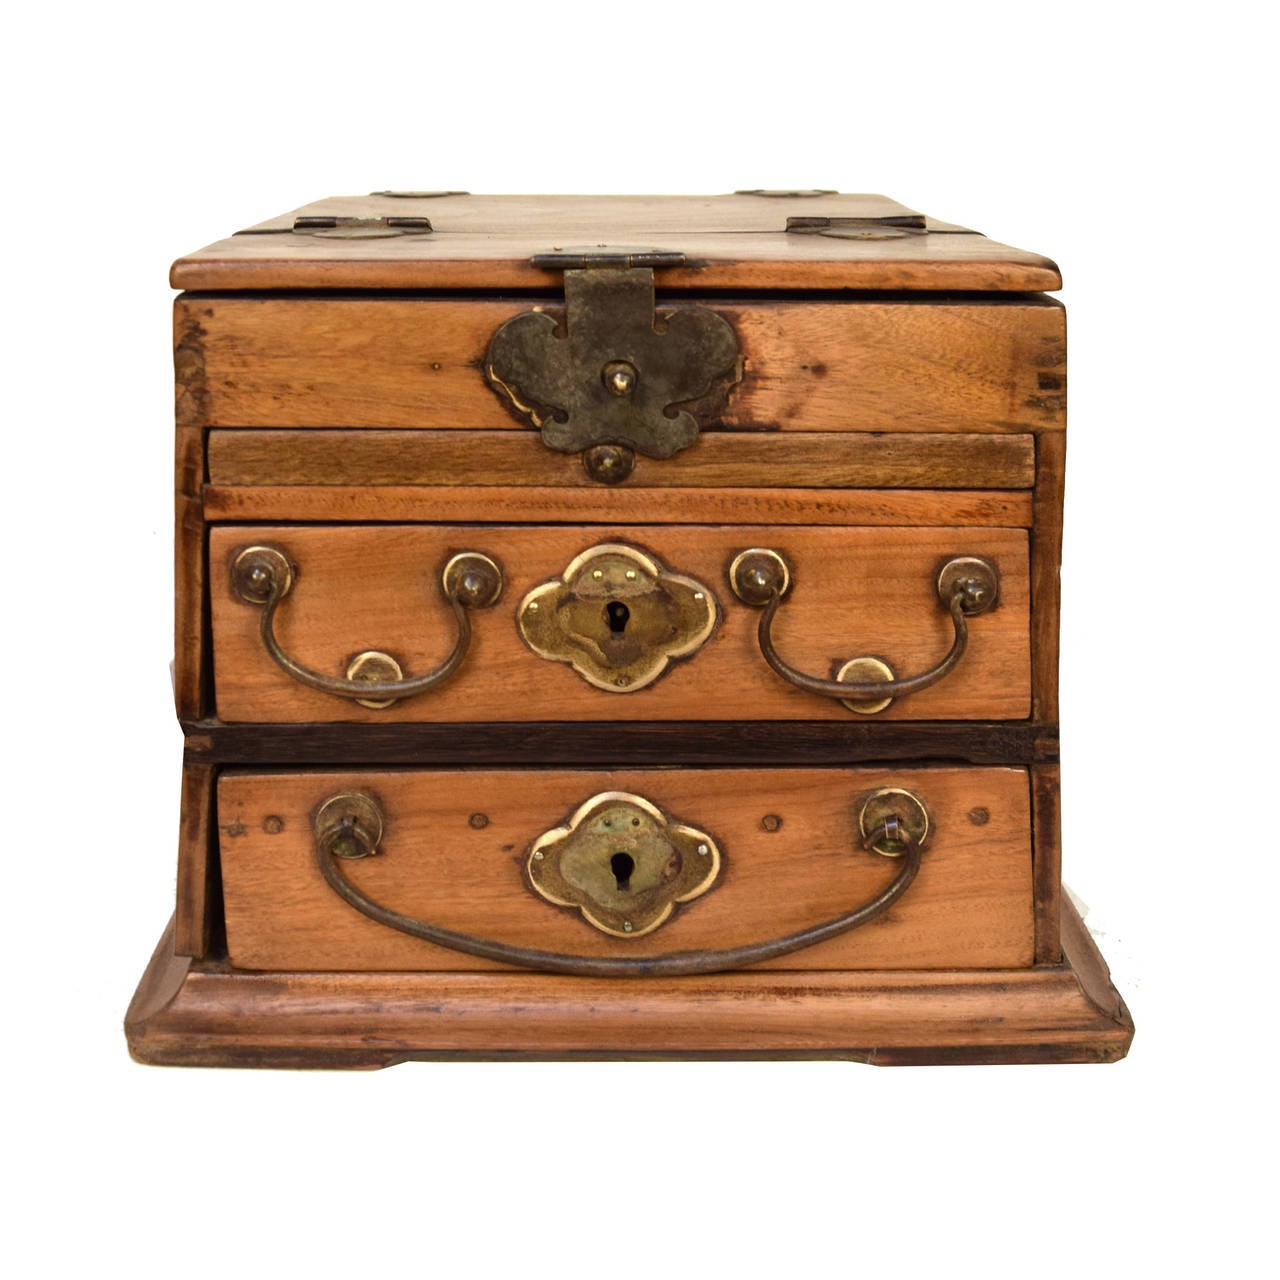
617	617
623	863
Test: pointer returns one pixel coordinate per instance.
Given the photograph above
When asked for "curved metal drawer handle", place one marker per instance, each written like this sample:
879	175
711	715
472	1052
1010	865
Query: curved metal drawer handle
967	586
263	575
349	825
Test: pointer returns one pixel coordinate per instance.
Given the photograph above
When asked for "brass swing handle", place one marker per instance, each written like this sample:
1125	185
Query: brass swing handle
349	825
263	575
966	585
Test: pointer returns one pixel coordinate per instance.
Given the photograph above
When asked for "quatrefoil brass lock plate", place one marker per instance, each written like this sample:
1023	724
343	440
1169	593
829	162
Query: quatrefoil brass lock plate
623	863
617	617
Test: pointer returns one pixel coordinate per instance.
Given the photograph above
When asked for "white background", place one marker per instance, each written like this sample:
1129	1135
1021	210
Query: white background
1132	143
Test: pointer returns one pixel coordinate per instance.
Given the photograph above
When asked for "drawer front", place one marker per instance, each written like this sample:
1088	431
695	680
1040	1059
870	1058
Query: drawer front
721	460
456	850
853	592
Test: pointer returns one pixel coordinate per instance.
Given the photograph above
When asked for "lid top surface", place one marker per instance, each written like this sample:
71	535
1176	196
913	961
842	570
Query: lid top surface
788	240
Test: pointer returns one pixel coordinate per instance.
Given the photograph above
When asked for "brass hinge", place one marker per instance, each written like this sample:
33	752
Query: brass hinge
890	227
805	194
333	227
588	257
357	228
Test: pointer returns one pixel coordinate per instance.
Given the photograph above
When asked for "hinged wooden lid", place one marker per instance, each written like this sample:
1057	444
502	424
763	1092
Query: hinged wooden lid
750	240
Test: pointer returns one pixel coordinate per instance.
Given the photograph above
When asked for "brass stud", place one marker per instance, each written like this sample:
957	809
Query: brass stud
374	667
608	463
975	579
756	574
473	579
619	377
893	807
353	821
865	670
258	571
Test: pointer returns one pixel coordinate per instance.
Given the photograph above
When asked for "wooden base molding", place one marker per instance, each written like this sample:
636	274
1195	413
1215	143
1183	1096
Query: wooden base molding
205	1014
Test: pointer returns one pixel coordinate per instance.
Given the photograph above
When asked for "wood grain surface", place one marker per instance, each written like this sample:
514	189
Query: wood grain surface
856	591
1046	559
205	1014
810	366
197	887
455	843
731	241
806	460
1046	859
335	504
588	217
190	622
656	742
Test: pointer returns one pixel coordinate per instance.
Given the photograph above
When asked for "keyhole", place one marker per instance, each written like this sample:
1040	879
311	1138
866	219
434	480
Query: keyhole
622	865
618	616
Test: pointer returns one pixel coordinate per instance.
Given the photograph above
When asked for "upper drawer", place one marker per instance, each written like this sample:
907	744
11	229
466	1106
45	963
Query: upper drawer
921	364
618	623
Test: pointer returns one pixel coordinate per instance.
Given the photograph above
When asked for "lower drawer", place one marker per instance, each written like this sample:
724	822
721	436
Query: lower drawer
623	864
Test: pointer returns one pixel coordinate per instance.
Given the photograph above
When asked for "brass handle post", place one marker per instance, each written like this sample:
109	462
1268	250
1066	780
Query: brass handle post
349	826
966	586
263	575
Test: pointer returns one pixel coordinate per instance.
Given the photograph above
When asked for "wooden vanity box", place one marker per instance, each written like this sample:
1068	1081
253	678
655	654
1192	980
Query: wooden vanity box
619	626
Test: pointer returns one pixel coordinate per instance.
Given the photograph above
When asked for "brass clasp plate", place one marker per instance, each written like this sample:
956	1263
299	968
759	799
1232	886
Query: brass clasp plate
623	863
615	372
617	617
